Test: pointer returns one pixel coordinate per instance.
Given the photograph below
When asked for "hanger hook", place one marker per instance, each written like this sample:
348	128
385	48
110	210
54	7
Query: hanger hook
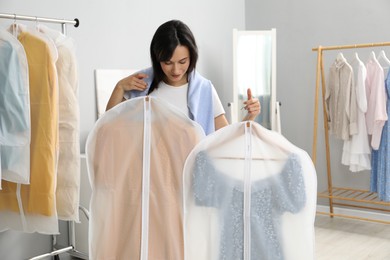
14	26
36	22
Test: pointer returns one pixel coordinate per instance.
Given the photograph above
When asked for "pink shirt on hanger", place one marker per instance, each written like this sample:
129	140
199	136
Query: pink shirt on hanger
376	114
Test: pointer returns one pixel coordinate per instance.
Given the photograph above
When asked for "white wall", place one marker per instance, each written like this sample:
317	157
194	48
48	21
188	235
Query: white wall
116	35
301	26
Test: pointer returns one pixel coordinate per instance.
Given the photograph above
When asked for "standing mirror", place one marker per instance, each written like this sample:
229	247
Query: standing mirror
254	67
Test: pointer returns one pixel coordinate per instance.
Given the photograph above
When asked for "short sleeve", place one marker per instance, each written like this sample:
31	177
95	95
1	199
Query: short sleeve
218	108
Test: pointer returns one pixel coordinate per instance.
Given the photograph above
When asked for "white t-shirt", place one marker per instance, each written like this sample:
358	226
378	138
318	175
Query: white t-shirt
177	96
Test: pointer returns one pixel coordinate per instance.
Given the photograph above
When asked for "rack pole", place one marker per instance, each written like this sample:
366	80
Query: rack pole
352	46
314	149
75	22
326	130
57	252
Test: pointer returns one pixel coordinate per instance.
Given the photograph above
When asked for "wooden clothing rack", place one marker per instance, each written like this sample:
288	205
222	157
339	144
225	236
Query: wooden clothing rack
349	197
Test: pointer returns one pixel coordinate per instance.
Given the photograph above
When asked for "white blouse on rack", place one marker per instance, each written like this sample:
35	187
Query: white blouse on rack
356	151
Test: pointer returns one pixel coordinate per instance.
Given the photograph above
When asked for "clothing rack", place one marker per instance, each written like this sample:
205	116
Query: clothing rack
63	22
360	198
71	225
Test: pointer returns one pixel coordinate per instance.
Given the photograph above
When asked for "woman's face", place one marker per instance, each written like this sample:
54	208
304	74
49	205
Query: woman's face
175	69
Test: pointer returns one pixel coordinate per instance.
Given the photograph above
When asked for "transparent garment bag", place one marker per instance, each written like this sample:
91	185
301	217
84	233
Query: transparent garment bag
32	208
68	170
248	194
15	126
135	158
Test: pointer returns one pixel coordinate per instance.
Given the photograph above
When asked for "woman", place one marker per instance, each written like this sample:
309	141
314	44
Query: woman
173	77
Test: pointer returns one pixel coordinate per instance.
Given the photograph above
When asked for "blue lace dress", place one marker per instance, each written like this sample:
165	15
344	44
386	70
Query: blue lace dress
380	159
270	198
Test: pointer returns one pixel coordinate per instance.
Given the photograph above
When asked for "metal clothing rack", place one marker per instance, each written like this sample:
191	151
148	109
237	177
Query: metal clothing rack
63	22
71	225
354	198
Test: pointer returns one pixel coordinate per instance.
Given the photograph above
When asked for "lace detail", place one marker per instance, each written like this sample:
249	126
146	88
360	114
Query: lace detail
270	198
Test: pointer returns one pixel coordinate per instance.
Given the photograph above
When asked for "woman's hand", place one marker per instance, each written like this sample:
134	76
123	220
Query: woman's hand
252	105
132	82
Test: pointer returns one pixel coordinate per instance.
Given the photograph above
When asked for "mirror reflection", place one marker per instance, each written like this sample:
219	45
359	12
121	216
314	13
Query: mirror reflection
255	67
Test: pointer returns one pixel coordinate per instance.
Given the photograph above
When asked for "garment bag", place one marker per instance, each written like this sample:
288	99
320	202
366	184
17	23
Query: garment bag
68	170
32	208
135	158
15	126
248	194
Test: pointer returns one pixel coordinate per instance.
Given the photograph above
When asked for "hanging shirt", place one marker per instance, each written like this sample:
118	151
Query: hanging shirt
340	100
247	193
135	158
376	114
177	96
199	98
68	170
32	208
15	126
356	151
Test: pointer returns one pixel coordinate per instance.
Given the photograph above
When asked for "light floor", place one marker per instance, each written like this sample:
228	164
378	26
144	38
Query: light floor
347	239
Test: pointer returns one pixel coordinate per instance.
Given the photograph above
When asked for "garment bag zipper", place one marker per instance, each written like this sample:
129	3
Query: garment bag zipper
146	180
247	191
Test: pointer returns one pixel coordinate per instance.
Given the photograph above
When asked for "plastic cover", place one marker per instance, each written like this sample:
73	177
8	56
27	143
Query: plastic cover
68	170
135	158
248	194
15	126
32	208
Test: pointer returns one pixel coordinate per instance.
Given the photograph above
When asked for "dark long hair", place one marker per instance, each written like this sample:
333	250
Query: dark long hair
168	36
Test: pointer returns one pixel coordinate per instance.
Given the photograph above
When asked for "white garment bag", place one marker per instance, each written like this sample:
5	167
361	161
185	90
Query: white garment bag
68	169
15	125
135	158
248	194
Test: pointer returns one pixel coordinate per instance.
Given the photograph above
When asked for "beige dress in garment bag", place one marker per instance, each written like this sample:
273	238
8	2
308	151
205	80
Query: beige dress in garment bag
135	158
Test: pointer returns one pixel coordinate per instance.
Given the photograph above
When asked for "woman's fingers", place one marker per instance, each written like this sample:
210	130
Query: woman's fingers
249	93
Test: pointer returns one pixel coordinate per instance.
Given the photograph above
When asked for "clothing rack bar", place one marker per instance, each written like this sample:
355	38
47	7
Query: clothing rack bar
352	46
72	241
57	252
75	22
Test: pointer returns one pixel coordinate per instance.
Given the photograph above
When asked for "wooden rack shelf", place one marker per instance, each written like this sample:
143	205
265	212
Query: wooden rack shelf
363	196
352	197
